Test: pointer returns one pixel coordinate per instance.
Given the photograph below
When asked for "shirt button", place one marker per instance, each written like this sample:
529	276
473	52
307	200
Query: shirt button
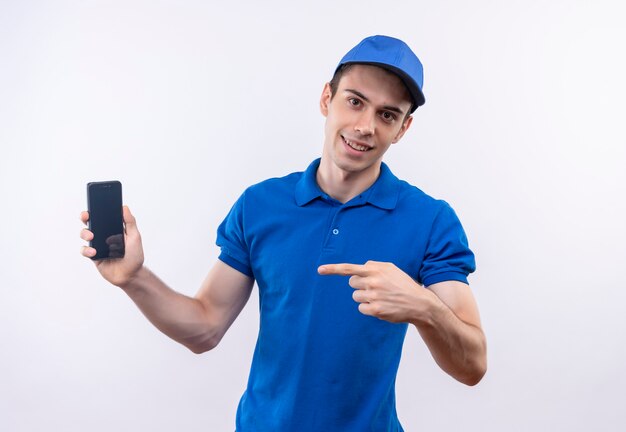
335	231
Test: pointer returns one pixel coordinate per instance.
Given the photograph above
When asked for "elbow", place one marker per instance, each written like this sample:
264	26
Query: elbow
204	344
475	377
476	371
202	348
477	367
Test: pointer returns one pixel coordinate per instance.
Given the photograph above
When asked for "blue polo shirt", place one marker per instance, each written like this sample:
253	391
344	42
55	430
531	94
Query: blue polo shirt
319	364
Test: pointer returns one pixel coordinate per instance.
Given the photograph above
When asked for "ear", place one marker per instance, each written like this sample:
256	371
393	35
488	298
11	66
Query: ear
325	99
403	129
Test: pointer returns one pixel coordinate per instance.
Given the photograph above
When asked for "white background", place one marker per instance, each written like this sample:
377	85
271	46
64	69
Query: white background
187	103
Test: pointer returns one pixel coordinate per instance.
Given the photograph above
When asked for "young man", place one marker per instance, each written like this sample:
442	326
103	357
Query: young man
345	256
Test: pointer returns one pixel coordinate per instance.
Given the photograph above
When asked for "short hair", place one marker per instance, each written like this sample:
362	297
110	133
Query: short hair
341	70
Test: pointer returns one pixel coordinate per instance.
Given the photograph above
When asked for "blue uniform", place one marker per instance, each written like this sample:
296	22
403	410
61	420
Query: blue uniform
319	364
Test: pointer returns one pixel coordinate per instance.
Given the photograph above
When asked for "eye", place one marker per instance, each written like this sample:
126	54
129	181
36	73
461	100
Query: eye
388	116
354	102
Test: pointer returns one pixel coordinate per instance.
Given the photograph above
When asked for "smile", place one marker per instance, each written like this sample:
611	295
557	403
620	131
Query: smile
355	146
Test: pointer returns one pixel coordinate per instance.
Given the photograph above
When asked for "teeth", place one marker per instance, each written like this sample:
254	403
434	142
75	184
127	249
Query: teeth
355	146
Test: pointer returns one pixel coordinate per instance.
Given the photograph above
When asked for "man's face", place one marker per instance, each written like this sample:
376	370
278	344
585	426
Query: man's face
364	117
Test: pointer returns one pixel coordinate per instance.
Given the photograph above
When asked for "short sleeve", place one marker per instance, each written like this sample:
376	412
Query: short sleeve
231	239
448	256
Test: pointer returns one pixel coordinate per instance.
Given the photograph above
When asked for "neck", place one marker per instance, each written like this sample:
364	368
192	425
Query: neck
344	185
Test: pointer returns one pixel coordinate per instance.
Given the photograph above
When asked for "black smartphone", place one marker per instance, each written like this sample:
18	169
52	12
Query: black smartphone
104	203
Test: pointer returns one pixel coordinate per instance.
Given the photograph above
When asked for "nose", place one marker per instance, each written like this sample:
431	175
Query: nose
365	124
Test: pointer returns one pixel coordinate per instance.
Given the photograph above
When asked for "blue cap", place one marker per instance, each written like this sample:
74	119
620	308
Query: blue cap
395	56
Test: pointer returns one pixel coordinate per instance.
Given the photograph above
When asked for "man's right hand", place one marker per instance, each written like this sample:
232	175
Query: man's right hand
118	271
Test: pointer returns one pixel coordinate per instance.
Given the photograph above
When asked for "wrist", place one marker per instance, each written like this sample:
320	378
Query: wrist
429	311
136	281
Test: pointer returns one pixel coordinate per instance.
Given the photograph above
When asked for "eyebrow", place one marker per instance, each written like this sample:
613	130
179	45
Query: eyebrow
387	107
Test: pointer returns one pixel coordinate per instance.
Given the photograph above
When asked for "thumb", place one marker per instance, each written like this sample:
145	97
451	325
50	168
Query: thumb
129	219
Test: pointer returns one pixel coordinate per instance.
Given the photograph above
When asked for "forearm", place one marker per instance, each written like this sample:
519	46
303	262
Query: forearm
458	348
180	317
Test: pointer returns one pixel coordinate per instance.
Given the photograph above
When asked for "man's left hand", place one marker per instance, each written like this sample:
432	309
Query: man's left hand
384	291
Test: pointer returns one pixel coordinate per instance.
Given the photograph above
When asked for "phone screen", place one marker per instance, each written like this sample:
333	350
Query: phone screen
104	202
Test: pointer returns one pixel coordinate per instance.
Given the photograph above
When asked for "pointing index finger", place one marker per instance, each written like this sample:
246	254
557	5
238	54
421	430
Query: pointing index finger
342	269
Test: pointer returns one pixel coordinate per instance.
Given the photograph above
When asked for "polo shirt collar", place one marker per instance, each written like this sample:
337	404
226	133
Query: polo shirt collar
383	193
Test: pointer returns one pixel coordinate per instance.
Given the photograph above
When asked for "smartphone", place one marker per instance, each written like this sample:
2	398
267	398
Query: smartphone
104	203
